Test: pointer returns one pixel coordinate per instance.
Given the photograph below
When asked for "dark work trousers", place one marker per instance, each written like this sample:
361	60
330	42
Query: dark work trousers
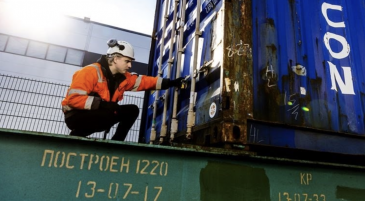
86	122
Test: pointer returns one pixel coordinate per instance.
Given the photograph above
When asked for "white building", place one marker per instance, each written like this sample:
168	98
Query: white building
51	50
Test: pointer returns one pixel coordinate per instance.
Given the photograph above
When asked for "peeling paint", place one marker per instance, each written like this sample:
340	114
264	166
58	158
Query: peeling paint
236	86
299	70
228	84
303	91
230	177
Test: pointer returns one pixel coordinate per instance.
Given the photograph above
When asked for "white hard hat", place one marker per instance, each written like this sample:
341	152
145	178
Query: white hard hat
120	47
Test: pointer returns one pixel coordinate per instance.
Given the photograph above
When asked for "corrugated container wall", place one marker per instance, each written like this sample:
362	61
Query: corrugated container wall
279	73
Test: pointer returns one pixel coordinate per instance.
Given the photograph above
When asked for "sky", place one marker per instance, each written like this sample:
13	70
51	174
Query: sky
134	15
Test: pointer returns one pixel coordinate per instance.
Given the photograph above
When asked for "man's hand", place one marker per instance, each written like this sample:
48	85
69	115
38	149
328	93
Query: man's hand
176	83
167	83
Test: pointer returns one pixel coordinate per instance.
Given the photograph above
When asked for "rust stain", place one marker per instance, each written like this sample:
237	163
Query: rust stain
238	103
270	22
272	47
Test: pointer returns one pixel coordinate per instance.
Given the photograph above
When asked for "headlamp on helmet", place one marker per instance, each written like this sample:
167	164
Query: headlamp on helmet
120	47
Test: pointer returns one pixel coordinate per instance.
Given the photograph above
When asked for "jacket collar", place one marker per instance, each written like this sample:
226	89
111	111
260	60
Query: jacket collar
113	80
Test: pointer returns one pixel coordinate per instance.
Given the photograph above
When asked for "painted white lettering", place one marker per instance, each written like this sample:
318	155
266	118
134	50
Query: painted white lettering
346	87
325	7
345	46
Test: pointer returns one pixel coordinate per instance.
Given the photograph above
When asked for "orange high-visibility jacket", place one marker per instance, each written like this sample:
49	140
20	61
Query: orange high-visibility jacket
90	80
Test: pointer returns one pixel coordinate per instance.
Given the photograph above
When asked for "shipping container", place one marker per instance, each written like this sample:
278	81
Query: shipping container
41	166
278	83
259	73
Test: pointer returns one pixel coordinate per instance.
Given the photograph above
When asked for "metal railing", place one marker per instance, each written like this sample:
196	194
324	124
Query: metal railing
34	105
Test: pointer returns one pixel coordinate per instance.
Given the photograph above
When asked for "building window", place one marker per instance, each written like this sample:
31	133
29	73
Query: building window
40	50
74	57
36	49
56	53
3	40
17	45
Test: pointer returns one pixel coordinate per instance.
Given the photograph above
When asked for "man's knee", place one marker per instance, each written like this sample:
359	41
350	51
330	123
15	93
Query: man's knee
129	112
135	110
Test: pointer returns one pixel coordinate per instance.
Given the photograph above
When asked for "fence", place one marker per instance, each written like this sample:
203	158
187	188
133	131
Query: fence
34	105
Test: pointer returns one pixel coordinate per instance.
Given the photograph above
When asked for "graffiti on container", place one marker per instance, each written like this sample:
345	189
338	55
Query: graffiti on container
254	135
270	76
239	49
294	106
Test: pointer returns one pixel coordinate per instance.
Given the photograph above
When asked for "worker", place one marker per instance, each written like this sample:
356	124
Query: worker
91	103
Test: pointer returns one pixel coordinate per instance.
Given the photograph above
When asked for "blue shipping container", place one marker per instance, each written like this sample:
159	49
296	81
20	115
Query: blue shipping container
263	72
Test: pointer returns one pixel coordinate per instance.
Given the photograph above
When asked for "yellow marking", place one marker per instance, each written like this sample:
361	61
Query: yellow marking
126	165
68	166
110	189
145	167
153	169
78	189
159	192
112	163
100	190
93	183
47	151
128	190
145	194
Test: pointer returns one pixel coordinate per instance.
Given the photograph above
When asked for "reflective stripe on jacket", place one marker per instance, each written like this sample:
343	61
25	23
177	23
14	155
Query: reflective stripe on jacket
90	80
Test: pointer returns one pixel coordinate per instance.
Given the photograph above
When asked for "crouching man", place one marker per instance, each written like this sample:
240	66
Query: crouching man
91	103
